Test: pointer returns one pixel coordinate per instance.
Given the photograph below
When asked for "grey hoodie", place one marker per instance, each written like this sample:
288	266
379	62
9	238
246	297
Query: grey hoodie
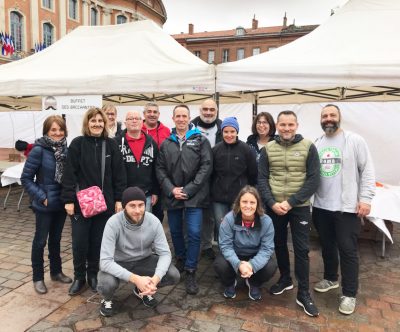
127	242
358	177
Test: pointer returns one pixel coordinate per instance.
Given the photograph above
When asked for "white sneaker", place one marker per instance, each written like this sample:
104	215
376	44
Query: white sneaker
347	305
325	285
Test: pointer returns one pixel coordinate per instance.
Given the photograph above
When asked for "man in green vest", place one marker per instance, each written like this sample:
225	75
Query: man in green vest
288	175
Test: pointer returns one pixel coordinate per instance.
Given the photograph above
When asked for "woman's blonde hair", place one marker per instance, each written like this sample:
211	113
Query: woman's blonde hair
90	113
248	190
54	119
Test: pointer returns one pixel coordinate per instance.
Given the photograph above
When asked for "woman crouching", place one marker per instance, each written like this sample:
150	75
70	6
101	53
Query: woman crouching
246	241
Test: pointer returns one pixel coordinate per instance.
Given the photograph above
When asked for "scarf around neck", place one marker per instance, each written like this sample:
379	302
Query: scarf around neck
60	153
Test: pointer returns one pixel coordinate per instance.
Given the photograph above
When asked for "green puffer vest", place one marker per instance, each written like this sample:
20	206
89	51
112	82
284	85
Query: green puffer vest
287	168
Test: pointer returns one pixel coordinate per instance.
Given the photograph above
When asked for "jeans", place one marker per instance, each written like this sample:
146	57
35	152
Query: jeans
299	219
228	275
193	219
87	234
148	203
49	225
108	284
207	229
338	233
220	210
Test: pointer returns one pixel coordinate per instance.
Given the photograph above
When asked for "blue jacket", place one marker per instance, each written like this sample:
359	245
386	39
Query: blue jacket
42	164
236	240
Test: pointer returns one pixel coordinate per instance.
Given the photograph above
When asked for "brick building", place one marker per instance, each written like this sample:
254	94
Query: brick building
45	21
231	45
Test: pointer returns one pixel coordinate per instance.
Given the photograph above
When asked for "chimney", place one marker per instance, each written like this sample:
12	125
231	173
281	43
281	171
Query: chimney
254	24
285	21
191	28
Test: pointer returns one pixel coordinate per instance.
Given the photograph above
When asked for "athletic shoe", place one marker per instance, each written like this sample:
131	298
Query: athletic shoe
325	285
147	300
304	300
254	291
281	286
230	292
106	308
347	305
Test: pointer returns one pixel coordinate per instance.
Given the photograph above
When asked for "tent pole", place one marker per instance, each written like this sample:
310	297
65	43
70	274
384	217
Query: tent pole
255	106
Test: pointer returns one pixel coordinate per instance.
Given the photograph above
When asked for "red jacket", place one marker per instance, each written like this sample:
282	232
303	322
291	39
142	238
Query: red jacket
159	134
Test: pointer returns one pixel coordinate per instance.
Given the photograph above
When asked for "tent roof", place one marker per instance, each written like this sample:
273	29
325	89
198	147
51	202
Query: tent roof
354	56
128	58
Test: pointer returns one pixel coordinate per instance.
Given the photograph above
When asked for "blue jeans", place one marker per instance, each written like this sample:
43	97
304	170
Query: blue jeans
48	225
220	210
148	204
193	219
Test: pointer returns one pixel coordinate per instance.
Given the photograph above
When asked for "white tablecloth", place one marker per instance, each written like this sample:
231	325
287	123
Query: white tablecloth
12	175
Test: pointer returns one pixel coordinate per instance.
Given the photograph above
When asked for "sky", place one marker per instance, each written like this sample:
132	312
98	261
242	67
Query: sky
209	15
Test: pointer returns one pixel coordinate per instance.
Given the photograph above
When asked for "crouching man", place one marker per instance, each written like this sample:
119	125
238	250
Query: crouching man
126	253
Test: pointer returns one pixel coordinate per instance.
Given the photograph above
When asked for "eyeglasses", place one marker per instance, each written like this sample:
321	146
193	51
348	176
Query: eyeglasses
212	109
133	119
262	122
110	114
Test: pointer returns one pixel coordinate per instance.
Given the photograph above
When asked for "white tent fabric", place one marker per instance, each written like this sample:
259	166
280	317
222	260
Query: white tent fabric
356	47
135	57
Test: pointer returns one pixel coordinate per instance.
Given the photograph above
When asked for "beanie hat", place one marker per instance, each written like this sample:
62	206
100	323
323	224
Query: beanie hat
230	122
132	194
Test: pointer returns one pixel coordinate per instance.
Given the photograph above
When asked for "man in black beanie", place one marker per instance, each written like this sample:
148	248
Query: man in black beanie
127	253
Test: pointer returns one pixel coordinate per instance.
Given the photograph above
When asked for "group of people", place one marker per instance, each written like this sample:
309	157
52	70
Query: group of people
212	186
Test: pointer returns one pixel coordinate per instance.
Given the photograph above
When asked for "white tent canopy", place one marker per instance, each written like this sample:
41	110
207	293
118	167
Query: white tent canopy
353	56
121	59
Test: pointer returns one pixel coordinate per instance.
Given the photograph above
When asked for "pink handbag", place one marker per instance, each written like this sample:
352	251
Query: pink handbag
91	201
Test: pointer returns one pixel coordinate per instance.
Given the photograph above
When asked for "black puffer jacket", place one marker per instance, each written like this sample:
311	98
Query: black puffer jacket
188	166
234	166
84	168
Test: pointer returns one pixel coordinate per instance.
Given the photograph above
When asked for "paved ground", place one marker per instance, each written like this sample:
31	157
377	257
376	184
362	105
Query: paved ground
22	309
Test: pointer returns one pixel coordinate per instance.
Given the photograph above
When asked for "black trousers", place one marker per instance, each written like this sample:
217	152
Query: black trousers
299	219
49	225
228	275
338	233
86	242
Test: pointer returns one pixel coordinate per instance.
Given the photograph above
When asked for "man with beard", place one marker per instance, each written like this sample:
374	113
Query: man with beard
288	175
210	127
342	199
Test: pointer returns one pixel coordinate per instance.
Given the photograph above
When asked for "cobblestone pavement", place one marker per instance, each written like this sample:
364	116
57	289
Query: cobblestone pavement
21	309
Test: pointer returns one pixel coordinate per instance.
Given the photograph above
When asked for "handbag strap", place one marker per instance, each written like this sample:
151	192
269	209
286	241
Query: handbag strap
103	162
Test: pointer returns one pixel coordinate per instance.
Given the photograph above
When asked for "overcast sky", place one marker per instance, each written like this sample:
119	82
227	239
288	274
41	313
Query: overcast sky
209	15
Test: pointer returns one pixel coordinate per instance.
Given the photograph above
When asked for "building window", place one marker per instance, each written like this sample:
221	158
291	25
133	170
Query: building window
73	9
121	19
47	4
272	48
240	31
211	56
48	32
16	29
197	53
240	54
256	50
93	16
225	55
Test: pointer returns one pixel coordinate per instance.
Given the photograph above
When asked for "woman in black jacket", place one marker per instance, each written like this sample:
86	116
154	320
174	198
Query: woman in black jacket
41	178
263	129
234	166
83	170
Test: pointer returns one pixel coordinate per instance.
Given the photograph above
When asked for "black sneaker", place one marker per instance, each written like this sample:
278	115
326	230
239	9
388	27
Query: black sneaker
180	264
304	300
106	308
281	286
147	300
254	291
191	283
208	253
